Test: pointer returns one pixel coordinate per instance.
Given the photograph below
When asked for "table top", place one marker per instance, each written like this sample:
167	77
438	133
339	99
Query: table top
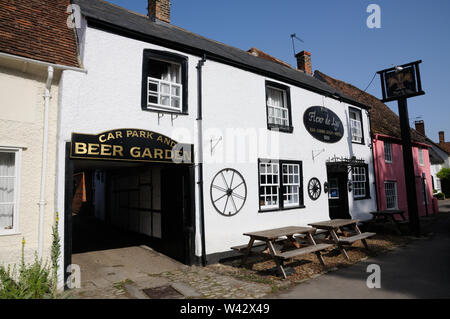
388	212
270	234
334	223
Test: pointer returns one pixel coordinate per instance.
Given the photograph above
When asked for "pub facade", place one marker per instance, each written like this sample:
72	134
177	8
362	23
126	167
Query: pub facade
188	143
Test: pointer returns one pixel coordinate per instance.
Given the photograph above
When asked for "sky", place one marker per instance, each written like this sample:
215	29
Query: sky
341	44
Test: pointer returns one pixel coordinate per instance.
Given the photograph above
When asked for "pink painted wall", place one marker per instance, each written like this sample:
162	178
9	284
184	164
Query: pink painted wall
395	172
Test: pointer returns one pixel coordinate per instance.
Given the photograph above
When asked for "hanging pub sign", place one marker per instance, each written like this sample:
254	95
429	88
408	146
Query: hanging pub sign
131	145
323	124
401	82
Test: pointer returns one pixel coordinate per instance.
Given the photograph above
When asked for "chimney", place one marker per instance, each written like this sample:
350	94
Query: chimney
420	127
304	62
441	137
159	10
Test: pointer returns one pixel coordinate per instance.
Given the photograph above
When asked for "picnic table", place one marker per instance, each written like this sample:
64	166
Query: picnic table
388	216
336	225
271	236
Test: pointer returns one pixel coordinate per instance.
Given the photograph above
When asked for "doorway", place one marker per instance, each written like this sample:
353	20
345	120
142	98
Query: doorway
337	176
121	205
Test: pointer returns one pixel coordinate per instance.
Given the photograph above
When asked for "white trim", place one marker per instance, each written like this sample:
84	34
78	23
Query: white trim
18	168
46	64
396	194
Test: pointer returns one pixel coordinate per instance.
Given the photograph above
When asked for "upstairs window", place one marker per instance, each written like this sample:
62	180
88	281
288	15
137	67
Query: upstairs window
278	107
387	152
164	83
421	157
356	126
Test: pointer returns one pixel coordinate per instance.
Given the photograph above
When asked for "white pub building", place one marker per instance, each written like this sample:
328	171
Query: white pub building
183	143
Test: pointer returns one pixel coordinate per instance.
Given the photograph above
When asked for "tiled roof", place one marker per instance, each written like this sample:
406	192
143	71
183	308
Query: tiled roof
264	55
37	29
383	120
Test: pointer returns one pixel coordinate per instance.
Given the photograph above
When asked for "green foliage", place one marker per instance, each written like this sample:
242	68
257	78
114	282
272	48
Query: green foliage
35	280
444	174
439	195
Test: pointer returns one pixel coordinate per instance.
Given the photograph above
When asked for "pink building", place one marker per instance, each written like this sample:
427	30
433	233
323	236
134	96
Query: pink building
388	154
390	175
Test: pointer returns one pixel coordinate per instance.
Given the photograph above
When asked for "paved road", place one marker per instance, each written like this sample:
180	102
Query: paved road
420	270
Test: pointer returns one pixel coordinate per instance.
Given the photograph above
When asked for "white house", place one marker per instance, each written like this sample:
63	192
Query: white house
264	145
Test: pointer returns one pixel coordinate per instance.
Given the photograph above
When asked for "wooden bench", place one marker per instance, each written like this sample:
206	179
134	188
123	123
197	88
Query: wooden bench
350	240
302	251
256	244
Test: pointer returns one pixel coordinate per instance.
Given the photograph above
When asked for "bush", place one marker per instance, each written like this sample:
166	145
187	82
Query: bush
444	174
439	195
35	280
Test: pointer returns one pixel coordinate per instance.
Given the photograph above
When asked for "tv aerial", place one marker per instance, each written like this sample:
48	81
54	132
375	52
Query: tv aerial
294	37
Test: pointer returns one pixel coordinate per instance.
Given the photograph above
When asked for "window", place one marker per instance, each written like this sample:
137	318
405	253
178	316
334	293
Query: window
269	185
356	126
390	190
291	185
421	157
278	107
9	183
388	152
333	189
359	182
280	188
164	82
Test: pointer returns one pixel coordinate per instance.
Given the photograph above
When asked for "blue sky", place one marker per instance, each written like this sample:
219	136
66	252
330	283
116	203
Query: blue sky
341	44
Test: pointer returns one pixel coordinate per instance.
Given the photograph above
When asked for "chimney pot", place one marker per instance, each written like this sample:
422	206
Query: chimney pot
441	137
420	127
159	10
304	62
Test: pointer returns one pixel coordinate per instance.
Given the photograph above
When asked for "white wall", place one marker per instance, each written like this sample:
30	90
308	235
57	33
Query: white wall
109	97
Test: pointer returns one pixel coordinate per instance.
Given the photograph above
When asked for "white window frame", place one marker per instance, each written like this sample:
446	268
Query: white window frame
421	159
330	188
17	172
271	119
388	152
172	85
292	184
357	181
395	195
267	185
356	126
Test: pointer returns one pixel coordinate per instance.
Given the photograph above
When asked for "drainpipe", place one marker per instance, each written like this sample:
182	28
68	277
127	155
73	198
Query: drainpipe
375	160
200	155
42	203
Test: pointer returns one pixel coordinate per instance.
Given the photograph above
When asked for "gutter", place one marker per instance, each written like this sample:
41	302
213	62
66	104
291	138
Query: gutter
200	155
42	203
46	64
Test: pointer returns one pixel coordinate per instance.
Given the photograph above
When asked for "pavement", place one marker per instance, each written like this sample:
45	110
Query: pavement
419	270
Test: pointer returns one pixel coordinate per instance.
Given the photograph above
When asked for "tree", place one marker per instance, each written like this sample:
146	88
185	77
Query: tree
444	174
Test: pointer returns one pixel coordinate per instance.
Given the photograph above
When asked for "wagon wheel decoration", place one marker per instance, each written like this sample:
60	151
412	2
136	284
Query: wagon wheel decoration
228	192
314	188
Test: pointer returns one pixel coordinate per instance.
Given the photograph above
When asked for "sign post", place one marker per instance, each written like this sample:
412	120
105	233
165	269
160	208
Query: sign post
400	83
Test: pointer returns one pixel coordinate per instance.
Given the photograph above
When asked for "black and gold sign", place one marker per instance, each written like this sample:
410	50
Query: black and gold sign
131	145
401	82
323	124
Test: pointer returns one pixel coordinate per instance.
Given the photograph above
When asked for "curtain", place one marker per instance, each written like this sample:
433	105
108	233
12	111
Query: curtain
7	182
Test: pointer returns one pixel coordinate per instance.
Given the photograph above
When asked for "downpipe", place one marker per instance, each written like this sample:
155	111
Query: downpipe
200	156
42	202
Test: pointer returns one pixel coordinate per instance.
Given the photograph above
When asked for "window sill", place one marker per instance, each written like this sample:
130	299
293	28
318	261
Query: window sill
155	110
272	210
362	198
283	129
359	143
10	233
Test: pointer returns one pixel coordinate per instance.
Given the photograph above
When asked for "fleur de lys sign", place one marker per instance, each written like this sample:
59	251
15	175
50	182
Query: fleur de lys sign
323	124
131	145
